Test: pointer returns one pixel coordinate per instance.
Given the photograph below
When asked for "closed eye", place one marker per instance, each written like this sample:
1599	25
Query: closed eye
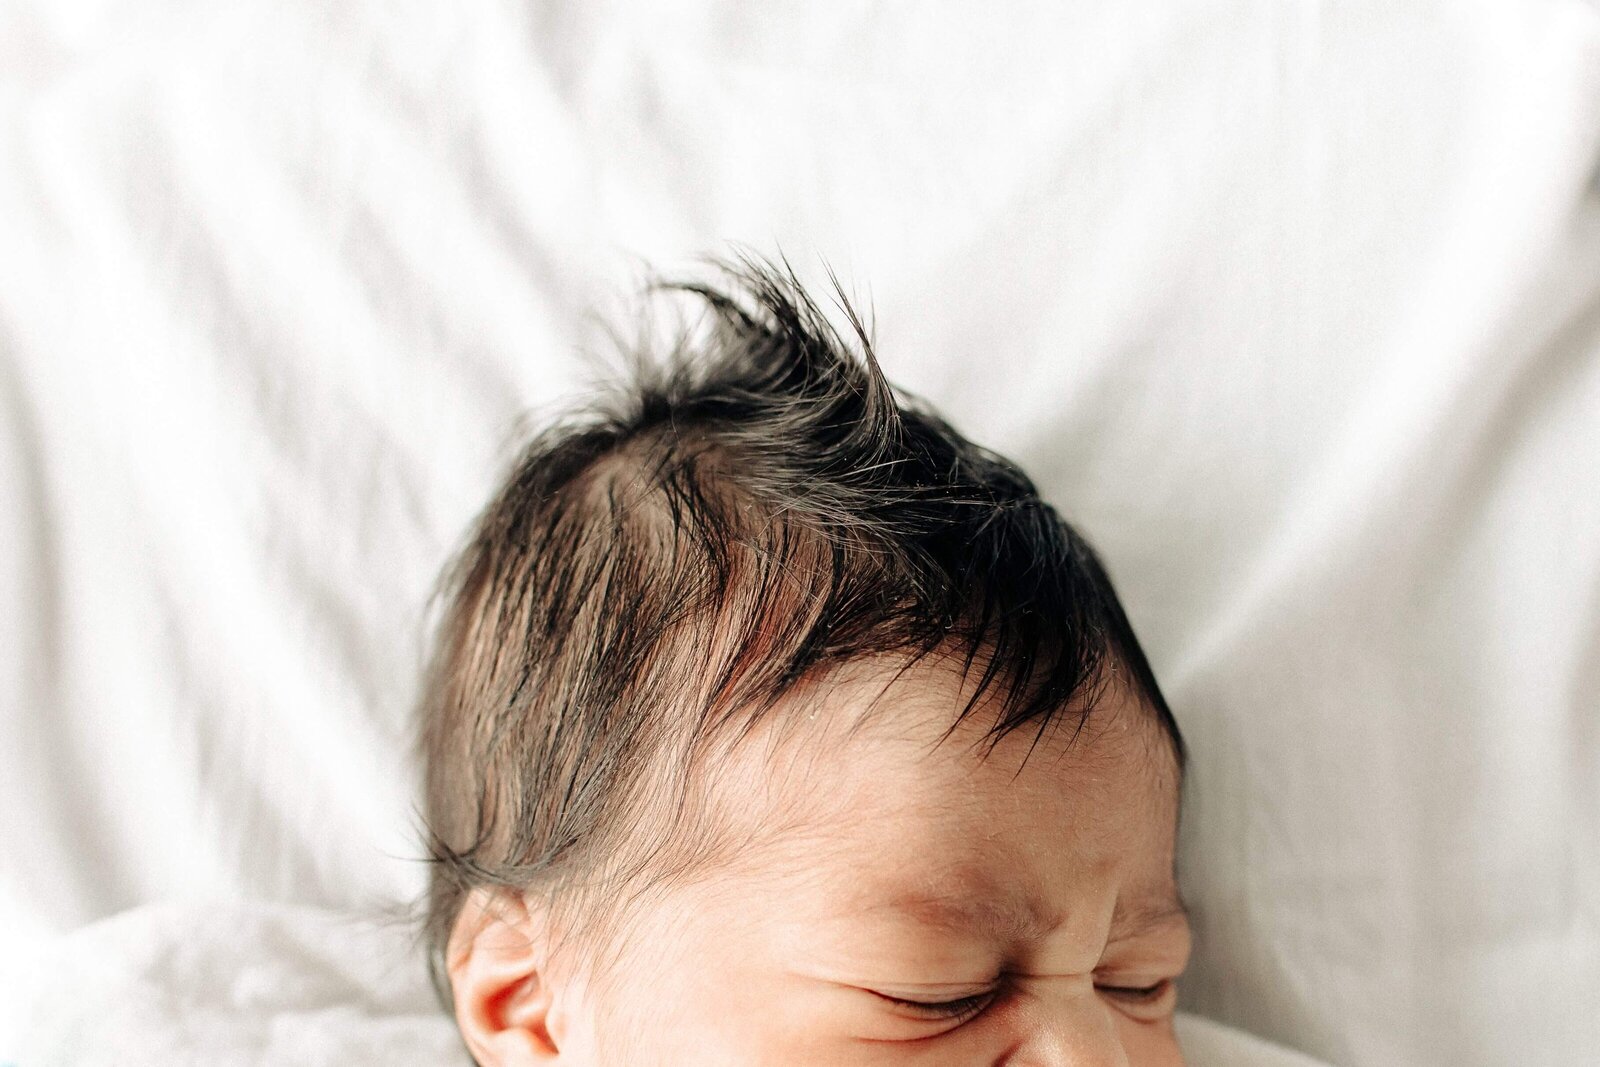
962	1008
1138	994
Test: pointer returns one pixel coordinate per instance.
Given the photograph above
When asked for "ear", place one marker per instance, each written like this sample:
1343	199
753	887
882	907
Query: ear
504	998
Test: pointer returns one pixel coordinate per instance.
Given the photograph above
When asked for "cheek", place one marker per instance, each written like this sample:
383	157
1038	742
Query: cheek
1150	1045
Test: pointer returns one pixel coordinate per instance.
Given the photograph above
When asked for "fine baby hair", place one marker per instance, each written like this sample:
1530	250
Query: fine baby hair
742	513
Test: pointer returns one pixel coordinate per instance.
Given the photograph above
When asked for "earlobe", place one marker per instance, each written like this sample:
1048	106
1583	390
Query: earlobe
503	991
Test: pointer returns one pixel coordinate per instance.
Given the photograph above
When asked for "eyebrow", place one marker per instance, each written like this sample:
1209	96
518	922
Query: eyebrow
1002	917
1150	913
1010	917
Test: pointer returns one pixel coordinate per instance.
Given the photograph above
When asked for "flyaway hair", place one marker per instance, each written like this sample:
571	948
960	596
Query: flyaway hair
658	570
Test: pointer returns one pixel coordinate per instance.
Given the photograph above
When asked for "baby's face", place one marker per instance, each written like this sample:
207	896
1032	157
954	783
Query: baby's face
917	904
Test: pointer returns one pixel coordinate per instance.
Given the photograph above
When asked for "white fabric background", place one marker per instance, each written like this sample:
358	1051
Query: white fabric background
1294	308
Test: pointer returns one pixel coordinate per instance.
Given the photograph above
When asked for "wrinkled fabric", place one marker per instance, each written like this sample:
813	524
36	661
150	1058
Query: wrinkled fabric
1293	308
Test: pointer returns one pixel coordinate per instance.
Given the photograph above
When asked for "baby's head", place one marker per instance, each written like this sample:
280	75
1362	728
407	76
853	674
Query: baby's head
773	722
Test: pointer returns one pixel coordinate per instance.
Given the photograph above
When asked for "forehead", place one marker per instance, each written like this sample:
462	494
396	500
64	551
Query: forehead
863	778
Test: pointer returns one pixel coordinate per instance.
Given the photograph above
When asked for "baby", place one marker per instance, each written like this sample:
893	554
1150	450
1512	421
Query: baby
771	721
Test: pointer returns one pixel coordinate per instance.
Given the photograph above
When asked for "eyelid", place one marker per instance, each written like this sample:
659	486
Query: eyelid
945	1010
1141	1002
1138	994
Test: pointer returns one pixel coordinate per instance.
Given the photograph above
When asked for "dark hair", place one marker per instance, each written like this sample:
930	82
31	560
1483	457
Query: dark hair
660	568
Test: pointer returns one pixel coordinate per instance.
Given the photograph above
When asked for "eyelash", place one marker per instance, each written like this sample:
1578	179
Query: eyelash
968	1006
1139	994
947	1009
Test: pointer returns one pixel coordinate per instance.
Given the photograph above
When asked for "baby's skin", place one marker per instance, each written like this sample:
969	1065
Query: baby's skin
903	901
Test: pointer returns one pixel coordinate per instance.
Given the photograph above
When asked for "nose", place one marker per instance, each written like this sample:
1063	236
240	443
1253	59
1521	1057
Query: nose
1068	1026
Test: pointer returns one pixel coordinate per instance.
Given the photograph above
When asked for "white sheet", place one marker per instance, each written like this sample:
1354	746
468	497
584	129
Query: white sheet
1295	308
252	985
